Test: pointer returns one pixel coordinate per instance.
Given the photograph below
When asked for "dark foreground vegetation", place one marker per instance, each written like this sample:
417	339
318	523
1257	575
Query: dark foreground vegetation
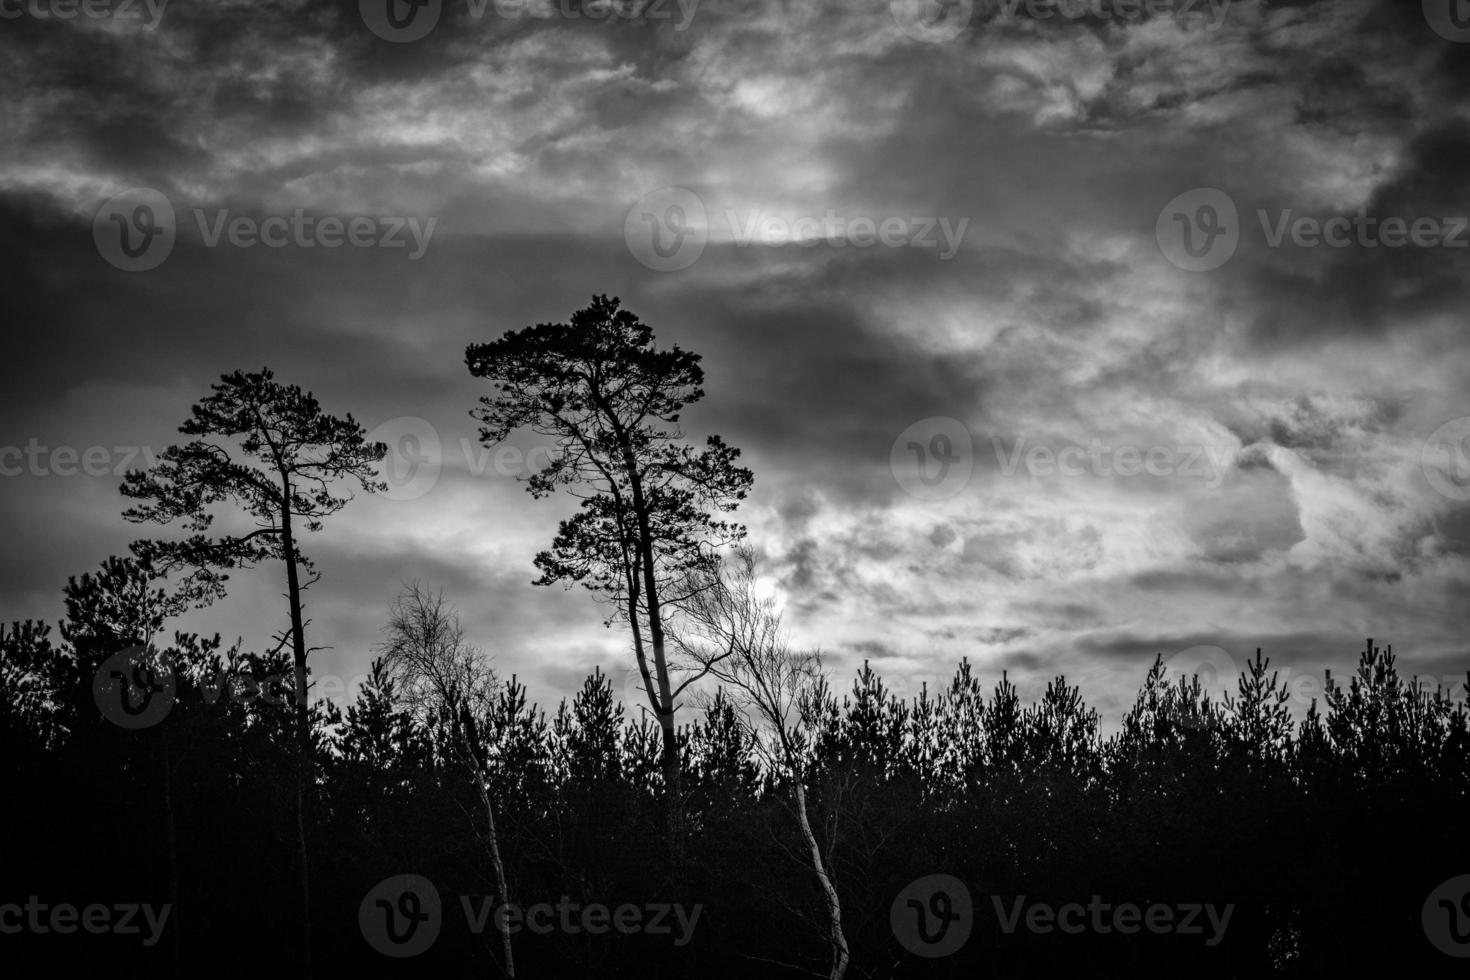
182	808
1325	835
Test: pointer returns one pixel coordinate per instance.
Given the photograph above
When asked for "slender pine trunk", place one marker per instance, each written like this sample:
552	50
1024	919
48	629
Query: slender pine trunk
171	829
673	770
303	730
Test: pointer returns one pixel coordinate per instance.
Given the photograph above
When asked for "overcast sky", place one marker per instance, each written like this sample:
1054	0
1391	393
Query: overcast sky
994	234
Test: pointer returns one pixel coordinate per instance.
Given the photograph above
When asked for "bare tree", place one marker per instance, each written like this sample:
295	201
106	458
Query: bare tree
732	633
444	680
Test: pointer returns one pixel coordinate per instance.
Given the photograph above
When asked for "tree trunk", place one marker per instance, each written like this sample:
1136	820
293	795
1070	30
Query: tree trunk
303	727
835	936
173	857
494	848
673	781
673	770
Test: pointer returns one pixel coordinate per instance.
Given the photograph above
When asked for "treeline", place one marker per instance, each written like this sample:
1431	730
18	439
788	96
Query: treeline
744	818
1324	834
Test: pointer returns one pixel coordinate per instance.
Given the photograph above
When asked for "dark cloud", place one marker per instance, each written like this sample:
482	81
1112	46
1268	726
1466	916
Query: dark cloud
1312	376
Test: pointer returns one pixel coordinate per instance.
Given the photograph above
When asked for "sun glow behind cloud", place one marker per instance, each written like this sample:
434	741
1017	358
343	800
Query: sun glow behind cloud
1308	382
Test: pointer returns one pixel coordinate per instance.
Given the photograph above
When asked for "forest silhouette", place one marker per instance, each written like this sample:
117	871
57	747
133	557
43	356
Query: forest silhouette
750	815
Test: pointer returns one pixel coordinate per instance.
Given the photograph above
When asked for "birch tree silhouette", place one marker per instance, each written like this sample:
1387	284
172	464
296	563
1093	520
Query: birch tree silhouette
446	682
733	634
